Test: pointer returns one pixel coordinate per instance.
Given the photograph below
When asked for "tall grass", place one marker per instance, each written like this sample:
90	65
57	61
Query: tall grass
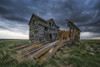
83	54
82	57
5	58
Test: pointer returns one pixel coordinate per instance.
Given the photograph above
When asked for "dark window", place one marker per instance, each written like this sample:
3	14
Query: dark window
46	29
50	24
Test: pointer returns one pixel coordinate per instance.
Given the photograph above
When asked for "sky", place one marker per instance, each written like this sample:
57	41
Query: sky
15	16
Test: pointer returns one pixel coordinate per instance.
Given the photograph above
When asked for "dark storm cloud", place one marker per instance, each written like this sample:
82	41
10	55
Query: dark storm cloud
84	13
21	19
3	11
14	11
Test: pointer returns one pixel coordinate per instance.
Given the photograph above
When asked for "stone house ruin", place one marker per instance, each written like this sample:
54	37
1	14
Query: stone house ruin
41	30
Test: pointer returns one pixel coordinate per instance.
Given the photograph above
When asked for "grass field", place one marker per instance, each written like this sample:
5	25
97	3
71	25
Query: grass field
83	54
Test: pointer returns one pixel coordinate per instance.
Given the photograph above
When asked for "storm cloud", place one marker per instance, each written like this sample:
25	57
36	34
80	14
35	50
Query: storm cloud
15	14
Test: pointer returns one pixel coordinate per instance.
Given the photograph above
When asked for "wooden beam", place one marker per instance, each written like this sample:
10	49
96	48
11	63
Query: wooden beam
73	26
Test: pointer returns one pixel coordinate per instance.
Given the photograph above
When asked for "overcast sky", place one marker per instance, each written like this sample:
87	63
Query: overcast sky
15	16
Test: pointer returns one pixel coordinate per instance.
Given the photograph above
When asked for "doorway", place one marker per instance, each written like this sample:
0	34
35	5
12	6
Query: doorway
50	36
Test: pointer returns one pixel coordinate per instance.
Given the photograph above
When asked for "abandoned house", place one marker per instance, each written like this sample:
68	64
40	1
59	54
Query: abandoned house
41	30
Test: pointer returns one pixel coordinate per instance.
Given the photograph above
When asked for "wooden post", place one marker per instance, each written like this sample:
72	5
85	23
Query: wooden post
73	34
70	34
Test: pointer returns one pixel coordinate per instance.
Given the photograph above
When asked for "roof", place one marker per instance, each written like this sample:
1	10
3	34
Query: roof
34	15
73	26
53	22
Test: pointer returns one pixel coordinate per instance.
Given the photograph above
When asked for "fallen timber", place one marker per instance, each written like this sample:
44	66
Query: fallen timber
21	46
51	52
32	49
39	52
40	49
45	50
